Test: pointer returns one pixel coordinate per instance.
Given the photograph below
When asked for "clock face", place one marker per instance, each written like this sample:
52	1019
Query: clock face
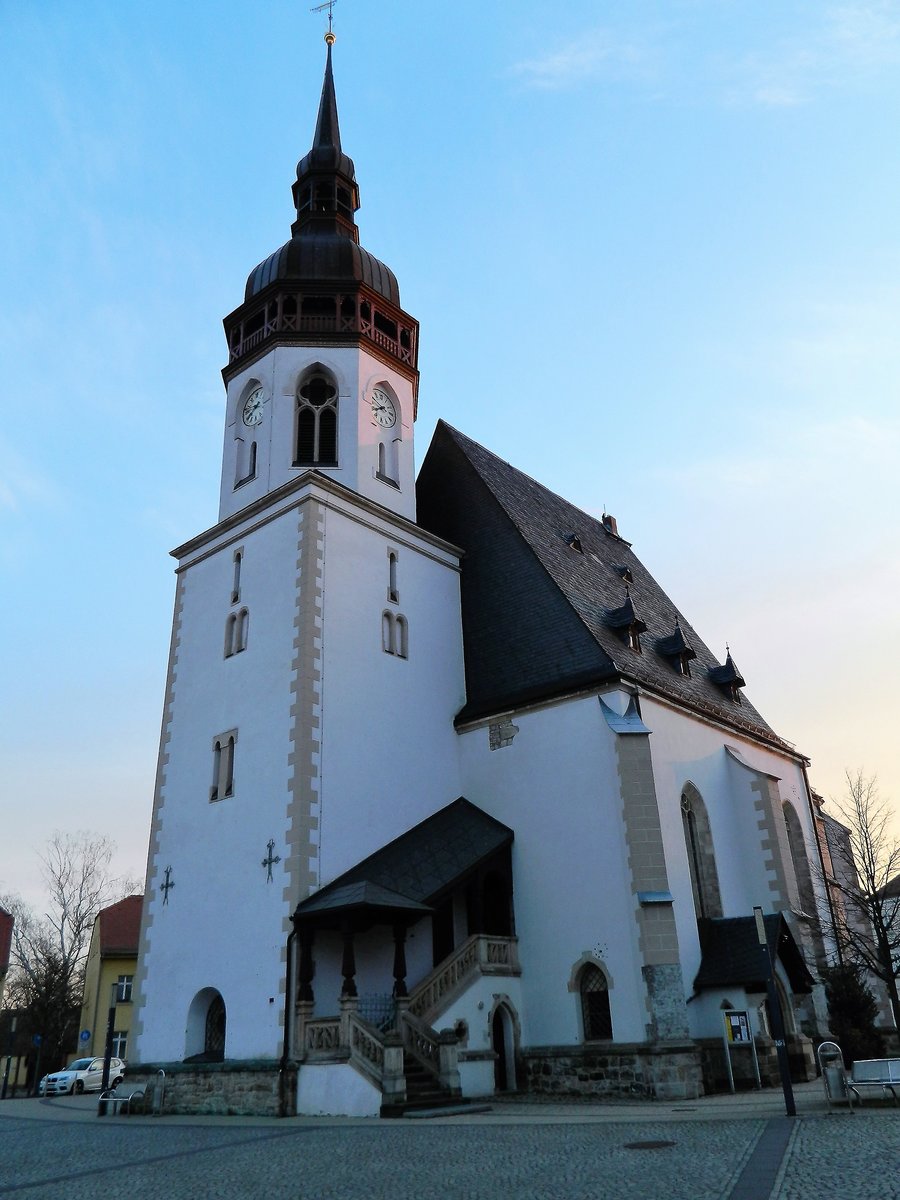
383	409
252	412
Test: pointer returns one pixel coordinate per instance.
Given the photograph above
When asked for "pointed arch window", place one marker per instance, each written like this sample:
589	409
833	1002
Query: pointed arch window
596	1019
317	404
701	858
799	858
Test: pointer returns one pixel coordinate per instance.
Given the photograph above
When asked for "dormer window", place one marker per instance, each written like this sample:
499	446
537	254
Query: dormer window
625	573
627	623
728	678
677	650
317	400
573	541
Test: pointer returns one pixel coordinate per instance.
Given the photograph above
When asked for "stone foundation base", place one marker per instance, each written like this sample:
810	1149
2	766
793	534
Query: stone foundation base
654	1071
239	1089
801	1057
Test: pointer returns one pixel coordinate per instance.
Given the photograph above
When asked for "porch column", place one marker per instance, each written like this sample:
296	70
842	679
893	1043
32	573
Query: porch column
400	961
307	966
348	962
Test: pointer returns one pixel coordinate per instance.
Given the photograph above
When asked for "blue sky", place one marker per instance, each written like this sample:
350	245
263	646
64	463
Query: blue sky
655	255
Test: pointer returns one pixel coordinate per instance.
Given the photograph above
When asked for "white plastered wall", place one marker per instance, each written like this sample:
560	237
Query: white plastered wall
557	786
356	373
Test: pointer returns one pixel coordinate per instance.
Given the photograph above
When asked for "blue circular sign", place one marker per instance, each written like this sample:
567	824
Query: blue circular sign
85	1035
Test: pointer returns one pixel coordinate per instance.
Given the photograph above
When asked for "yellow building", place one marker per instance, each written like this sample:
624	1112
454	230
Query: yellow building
109	970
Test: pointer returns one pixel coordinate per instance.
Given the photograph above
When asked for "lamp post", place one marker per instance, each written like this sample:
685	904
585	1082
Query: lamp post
107	1054
775	1014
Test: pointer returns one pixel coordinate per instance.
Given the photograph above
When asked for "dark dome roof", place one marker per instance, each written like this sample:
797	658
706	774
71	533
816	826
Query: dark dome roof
324	258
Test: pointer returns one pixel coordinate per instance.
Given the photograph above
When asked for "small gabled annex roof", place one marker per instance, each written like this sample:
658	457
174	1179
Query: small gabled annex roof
536	612
732	955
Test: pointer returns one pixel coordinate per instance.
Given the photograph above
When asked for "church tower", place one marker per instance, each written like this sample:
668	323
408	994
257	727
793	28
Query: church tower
316	661
322	358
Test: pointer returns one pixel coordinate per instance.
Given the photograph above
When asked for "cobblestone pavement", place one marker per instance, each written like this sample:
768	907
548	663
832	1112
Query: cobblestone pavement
854	1157
61	1149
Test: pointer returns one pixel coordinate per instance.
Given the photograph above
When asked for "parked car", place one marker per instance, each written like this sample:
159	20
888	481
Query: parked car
82	1075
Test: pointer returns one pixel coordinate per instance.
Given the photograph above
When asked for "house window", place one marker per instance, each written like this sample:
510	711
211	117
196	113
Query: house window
230	627
123	990
393	593
701	858
595	1015
120	1043
223	766
316	444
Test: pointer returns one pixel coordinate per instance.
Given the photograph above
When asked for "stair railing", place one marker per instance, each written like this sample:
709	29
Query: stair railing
481	954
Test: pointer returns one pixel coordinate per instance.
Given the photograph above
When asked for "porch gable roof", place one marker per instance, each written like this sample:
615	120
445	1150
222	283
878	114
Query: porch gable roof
419	866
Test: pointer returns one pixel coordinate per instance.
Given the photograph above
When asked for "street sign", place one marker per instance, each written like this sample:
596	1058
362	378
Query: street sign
85	1035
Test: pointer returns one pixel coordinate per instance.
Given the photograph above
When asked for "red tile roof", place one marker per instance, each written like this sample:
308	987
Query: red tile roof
120	926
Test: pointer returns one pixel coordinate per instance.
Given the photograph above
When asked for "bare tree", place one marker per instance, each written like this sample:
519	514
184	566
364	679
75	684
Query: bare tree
49	949
867	866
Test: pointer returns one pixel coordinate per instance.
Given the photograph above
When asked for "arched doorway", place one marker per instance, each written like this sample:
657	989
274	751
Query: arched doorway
503	1043
206	1023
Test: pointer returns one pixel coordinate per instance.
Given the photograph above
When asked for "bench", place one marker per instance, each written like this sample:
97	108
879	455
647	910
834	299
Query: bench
883	1073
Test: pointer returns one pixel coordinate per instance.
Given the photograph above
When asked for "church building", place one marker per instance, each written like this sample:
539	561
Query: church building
452	800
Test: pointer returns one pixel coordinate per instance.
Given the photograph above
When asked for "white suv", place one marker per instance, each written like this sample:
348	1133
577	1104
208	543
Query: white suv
82	1075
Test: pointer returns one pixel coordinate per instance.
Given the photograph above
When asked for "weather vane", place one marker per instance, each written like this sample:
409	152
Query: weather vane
329	5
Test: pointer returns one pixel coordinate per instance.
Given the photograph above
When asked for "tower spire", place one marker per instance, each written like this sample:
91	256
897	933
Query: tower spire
325	193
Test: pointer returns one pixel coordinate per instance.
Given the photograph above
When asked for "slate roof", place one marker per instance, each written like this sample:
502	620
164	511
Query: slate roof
421	864
732	955
536	612
120	927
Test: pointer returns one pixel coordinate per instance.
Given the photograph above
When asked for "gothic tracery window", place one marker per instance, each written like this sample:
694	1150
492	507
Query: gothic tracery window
701	858
317	403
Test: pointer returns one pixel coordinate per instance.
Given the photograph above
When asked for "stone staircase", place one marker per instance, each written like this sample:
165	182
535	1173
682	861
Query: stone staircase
423	1090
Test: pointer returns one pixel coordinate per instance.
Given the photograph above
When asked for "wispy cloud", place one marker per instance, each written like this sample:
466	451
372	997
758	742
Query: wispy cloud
595	53
21	484
851	43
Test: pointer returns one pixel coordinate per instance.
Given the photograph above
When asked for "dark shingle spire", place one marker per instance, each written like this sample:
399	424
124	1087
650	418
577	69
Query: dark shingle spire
325	194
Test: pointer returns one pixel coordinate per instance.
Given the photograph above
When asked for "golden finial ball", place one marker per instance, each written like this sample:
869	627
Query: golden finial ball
330	38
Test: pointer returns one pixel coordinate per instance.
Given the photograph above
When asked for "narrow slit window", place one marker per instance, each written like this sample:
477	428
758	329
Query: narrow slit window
236	581
393	592
387	632
230	625
402	639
